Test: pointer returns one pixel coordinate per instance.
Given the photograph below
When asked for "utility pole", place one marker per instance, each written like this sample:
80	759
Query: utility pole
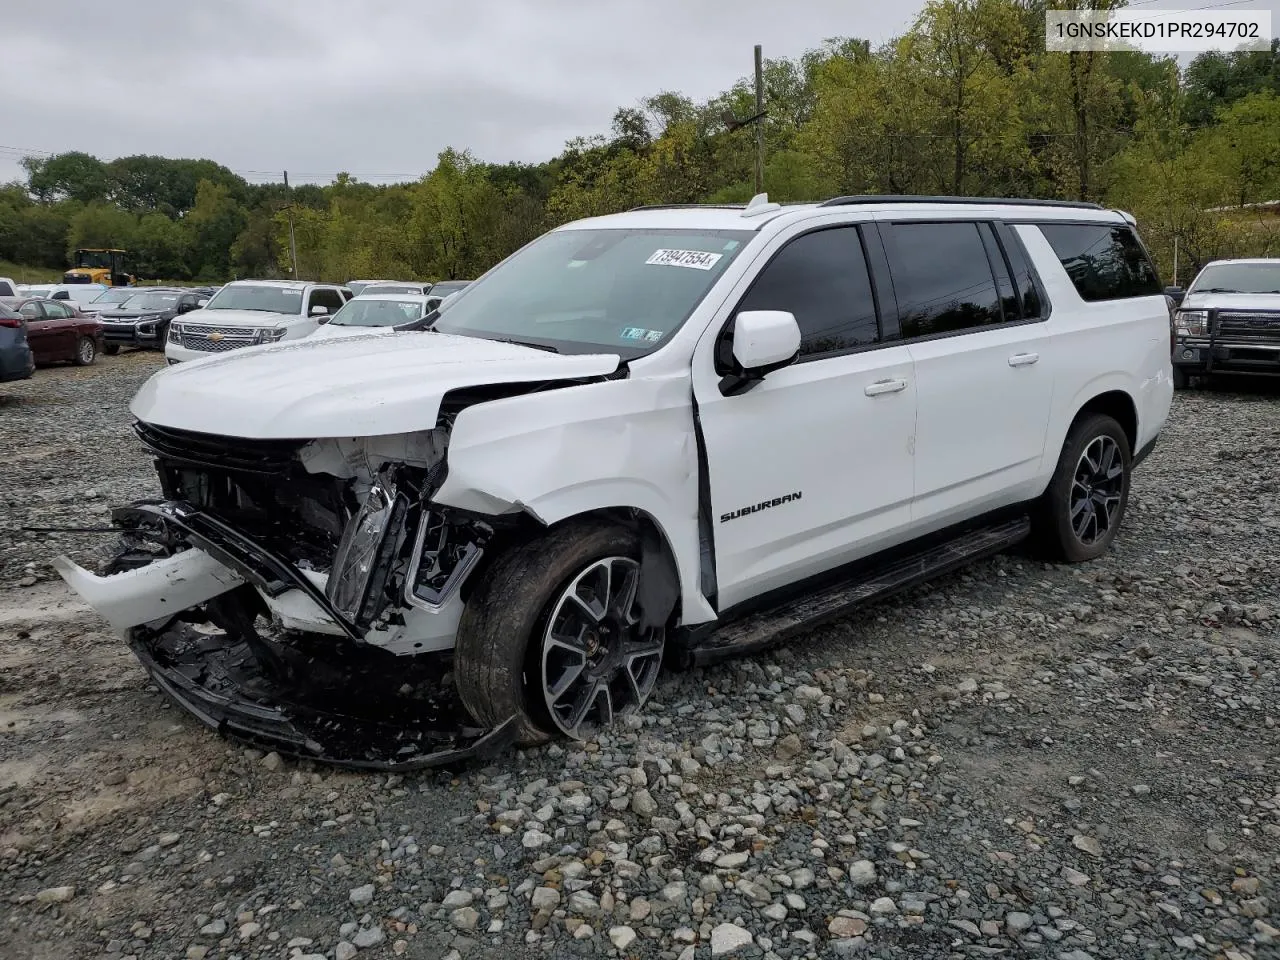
293	242
759	120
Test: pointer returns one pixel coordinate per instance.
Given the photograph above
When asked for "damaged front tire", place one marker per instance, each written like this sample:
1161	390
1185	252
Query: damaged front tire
553	635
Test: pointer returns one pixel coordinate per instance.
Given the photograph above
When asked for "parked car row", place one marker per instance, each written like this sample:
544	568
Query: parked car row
35	330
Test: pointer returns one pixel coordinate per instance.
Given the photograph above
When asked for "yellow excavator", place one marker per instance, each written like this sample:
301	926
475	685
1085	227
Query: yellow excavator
99	265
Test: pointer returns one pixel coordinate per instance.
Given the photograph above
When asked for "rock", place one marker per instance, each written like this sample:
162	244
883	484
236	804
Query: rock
584	932
250	930
534	839
458	898
862	873
1087	844
344	951
1214	842
967	685
545	899
272	761
775	911
368	937
731	861
1017	923
643	804
55	894
789	747
795	713
359	896
843	928
465	918
214	928
728	938
640	908
168	839
1074	877
621	937
883	906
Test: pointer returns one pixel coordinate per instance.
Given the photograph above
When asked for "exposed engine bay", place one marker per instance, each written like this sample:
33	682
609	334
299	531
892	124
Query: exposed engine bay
301	594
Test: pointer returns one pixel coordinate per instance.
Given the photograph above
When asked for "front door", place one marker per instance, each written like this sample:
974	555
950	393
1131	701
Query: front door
812	467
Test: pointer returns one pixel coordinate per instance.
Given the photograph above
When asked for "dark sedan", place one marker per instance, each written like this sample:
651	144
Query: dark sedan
58	331
143	319
16	360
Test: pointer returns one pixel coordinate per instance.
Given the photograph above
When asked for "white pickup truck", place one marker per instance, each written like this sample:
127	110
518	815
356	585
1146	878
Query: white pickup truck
246	313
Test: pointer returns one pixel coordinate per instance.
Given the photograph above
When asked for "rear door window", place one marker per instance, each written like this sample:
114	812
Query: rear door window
326	298
943	277
1105	261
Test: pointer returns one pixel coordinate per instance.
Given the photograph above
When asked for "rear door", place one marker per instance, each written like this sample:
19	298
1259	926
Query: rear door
975	324
42	332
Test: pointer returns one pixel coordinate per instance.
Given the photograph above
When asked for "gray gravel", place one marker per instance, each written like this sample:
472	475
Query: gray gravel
1021	760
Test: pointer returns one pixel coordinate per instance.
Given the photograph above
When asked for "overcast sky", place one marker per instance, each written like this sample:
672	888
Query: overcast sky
379	87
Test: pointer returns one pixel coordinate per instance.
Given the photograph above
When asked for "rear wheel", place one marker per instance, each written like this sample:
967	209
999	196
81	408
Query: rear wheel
1080	514
553	635
86	352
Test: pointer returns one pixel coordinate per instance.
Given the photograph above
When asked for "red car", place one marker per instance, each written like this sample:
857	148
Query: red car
58	331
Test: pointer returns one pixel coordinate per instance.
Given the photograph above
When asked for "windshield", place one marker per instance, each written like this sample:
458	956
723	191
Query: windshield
594	291
1238	278
115	296
446	287
361	312
379	288
93	258
257	297
38	292
153	301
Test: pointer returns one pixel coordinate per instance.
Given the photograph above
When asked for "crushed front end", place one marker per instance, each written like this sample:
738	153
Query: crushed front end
301	595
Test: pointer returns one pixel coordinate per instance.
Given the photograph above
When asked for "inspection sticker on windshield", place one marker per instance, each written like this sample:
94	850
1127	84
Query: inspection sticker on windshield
696	259
639	333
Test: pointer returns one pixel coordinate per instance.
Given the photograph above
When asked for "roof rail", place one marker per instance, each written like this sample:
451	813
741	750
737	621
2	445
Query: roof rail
689	206
868	198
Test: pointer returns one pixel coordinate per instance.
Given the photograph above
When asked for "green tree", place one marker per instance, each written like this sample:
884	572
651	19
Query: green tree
67	176
101	225
213	224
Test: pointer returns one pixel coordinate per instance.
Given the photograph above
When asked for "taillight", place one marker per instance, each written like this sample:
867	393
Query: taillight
12	322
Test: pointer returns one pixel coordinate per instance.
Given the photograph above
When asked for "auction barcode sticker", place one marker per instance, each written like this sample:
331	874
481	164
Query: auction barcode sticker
1157	31
696	259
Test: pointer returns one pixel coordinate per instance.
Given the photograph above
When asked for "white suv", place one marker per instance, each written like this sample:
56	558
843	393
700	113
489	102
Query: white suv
246	313
670	433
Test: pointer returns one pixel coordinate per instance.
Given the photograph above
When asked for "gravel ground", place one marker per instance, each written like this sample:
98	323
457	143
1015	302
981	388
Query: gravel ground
1021	760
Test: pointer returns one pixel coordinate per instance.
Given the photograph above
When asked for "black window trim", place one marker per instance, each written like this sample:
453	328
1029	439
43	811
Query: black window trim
1045	307
1038	222
1014	250
876	275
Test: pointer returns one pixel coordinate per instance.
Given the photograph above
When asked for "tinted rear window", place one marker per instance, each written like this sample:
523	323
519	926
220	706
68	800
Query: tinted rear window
1104	261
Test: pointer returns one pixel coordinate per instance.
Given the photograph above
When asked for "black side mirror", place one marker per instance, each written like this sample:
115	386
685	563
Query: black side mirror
1176	294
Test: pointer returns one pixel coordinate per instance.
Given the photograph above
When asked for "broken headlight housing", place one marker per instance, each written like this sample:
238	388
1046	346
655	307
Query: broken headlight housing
367	551
1192	323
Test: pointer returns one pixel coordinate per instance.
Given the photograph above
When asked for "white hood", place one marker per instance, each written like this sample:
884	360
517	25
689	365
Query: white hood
331	330
342	386
1231	301
238	318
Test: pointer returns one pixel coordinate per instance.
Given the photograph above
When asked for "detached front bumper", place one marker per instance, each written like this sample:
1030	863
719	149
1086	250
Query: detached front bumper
351	712
193	620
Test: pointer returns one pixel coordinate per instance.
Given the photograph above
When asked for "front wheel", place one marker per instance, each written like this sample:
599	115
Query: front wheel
86	352
1080	513
554	636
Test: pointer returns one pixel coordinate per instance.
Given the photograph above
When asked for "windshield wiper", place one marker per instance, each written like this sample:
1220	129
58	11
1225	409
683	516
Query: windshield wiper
524	343
1217	290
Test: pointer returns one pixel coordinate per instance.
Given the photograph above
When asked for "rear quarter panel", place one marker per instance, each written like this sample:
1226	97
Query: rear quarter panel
1114	345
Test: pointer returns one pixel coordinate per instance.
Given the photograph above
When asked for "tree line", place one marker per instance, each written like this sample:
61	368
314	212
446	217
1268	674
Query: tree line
965	102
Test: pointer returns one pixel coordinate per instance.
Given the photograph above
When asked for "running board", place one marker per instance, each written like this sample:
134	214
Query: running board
773	625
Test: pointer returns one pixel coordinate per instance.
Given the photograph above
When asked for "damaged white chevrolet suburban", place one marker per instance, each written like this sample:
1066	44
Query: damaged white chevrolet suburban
674	434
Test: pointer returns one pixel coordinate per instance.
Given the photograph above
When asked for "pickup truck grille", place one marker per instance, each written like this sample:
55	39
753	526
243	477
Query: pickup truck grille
215	339
212	450
1254	326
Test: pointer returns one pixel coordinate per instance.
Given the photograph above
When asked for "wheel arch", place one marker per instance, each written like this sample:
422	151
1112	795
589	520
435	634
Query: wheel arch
1117	404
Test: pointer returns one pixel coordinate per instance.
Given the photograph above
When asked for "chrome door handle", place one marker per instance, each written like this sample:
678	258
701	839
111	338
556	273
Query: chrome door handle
1023	359
884	386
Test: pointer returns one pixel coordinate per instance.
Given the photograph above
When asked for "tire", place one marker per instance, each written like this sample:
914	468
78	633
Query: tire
506	651
1181	379
111	349
1059	529
86	352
